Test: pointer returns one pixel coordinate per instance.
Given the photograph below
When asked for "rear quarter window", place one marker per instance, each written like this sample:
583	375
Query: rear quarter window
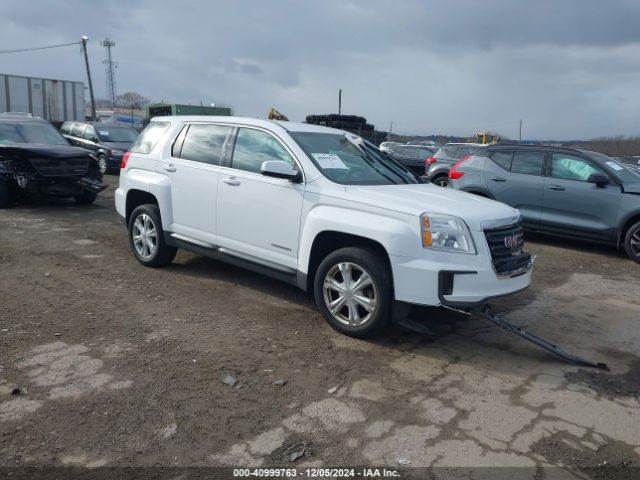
150	137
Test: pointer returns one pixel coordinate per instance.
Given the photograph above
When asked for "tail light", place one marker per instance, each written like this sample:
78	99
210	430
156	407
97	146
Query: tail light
430	160
125	159
454	173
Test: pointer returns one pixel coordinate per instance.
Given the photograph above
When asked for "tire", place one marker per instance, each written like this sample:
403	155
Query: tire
632	242
5	195
357	262
85	198
145	221
441	181
103	165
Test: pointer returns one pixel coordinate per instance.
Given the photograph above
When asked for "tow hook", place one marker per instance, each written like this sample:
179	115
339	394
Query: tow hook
486	313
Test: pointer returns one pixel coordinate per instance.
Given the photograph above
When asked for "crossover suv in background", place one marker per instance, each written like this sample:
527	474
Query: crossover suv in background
437	166
561	191
107	141
412	156
319	208
36	160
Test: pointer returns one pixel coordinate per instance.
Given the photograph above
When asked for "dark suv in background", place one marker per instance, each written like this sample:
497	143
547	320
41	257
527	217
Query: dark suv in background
437	167
412	156
108	141
560	191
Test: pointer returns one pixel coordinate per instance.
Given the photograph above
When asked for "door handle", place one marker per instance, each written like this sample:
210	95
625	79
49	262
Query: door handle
233	181
498	179
170	168
556	187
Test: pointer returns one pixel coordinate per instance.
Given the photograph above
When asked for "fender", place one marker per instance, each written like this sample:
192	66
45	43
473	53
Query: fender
157	185
398	235
476	190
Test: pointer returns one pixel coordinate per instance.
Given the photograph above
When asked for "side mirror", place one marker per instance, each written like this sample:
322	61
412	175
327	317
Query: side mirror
280	169
599	179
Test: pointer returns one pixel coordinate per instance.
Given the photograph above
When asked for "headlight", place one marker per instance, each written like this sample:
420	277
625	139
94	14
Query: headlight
446	233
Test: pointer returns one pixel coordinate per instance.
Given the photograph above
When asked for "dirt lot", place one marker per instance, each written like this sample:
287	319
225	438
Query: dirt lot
105	362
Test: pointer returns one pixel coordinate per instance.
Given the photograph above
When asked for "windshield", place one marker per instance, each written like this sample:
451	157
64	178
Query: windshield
30	132
116	134
343	161
622	171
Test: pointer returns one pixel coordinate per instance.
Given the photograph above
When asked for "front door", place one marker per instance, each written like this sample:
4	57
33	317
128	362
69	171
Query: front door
573	206
259	216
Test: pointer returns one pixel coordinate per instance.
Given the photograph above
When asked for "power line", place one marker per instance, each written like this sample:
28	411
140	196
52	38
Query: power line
18	50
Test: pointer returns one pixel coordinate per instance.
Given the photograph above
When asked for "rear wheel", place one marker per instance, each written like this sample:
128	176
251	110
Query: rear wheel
632	242
353	290
146	237
441	181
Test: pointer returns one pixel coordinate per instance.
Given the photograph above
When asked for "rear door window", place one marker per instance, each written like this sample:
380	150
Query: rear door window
527	162
77	130
205	143
89	133
503	158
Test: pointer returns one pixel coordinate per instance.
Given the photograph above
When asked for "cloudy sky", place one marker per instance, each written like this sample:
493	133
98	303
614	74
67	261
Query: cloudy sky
569	69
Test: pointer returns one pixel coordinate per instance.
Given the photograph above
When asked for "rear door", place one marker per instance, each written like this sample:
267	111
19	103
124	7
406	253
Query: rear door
515	177
573	206
259	216
192	166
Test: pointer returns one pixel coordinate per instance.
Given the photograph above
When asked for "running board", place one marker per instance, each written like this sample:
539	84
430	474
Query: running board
486	313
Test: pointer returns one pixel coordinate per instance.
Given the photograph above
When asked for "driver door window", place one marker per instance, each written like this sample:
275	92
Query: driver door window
254	147
568	167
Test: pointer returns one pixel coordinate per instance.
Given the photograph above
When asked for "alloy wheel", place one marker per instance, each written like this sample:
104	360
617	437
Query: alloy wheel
102	165
635	243
350	294
442	182
145	236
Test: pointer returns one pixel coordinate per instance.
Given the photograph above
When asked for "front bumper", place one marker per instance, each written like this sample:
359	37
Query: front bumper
435	283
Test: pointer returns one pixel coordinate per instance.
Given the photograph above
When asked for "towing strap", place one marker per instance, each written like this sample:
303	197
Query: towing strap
486	313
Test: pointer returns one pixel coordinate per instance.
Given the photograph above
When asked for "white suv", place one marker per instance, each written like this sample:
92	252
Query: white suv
319	208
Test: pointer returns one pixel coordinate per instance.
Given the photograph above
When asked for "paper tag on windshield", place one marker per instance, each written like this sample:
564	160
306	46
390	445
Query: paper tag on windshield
613	165
103	132
329	160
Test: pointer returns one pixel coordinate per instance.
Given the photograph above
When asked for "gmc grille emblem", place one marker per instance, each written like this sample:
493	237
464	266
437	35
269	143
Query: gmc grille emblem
511	241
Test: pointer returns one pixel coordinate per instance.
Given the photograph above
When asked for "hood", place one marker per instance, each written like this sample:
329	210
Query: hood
631	188
119	145
44	150
416	199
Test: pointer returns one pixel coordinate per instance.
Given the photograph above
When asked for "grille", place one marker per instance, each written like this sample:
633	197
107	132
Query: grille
506	246
63	167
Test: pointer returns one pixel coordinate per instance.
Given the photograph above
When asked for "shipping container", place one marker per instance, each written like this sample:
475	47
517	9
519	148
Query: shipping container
53	100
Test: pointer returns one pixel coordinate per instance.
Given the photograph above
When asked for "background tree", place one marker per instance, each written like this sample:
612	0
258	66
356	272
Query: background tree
131	100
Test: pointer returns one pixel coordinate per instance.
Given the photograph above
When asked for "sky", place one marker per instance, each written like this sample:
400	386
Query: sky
569	69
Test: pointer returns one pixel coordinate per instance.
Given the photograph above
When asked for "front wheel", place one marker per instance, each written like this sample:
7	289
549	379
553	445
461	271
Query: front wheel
353	290
103	166
86	198
632	242
146	237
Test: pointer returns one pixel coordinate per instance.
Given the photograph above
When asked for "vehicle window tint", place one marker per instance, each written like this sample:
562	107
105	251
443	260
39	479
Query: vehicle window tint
66	128
77	130
149	137
568	167
451	152
254	147
89	133
527	163
425	152
503	159
204	143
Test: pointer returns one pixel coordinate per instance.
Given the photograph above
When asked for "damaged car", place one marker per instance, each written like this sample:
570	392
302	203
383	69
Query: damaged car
35	159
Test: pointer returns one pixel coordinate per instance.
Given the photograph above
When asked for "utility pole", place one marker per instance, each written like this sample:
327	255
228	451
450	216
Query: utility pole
86	62
520	135
109	73
339	101
390	130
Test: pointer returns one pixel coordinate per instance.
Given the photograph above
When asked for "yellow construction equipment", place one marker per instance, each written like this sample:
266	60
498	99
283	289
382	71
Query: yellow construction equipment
276	115
486	138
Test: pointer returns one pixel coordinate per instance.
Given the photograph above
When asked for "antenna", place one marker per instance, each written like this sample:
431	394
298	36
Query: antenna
109	70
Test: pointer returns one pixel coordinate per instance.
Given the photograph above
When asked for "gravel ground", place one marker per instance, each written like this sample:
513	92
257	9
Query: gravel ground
106	363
